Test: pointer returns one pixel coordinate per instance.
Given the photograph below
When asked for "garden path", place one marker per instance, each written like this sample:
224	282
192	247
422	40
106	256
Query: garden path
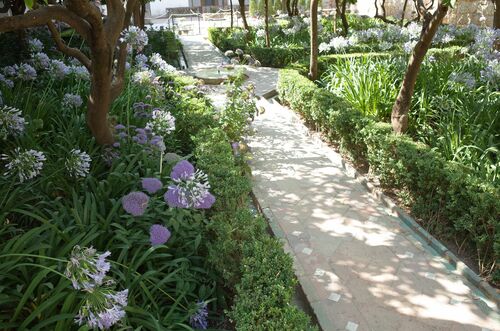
360	266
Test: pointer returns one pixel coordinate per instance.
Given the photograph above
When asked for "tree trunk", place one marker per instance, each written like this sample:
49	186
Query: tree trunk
139	16
405	4
232	13
313	62
295	8
243	16
266	20
401	108
289	8
343	17
496	16
100	97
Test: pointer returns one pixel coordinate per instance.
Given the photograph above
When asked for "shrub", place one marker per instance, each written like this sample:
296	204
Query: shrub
263	297
278	57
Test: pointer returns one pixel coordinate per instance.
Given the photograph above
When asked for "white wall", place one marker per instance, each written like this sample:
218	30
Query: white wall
159	7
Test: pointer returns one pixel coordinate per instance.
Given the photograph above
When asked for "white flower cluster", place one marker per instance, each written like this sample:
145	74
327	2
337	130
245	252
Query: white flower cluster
78	163
11	122
26	164
136	38
162	122
158	63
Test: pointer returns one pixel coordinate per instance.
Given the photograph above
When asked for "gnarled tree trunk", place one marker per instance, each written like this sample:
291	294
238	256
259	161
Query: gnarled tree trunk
266	20
289	8
313	61
496	15
102	37
341	6
232	13
401	108
243	15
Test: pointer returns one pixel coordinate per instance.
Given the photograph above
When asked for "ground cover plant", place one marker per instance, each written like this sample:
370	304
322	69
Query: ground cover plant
129	234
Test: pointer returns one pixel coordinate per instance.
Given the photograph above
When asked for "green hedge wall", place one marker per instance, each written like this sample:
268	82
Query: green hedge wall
446	200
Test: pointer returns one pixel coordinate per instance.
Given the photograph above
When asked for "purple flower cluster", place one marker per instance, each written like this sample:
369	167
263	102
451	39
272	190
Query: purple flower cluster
72	100
25	72
158	234
191	189
135	203
142	110
58	69
103	308
7	82
143	136
151	185
86	268
199	320
41	61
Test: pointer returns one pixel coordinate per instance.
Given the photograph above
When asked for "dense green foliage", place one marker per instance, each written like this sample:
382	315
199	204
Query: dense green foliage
43	218
447	198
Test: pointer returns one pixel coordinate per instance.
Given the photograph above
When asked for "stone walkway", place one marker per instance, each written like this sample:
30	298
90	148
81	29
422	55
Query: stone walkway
200	54
360	267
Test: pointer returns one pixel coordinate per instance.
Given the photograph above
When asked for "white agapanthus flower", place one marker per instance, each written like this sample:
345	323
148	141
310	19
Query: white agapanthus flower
11	122
78	163
26	164
162	122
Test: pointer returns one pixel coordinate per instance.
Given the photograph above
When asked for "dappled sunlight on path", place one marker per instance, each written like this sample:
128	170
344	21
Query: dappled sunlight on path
360	266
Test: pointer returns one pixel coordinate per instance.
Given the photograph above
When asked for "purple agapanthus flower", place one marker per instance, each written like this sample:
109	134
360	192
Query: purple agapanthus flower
191	189
182	170
158	234
199	320
151	185
135	203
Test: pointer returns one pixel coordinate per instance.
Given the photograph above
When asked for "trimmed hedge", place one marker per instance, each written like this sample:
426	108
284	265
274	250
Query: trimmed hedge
253	265
276	57
447	200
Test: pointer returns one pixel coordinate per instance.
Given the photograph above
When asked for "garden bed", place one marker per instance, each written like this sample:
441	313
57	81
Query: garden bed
161	260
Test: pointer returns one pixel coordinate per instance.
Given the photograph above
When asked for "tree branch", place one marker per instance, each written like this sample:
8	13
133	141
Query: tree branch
42	16
70	51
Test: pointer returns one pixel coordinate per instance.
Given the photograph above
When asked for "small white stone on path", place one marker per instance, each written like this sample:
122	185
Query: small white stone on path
334	297
407	255
430	275
351	326
373	218
294	222
307	251
296	233
319	272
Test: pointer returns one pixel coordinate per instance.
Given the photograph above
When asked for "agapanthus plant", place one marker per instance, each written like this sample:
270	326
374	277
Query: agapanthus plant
25	164
86	268
162	122
199	320
11	122
151	185
78	163
103	308
72	100
191	189
158	234
135	203
25	72
135	38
